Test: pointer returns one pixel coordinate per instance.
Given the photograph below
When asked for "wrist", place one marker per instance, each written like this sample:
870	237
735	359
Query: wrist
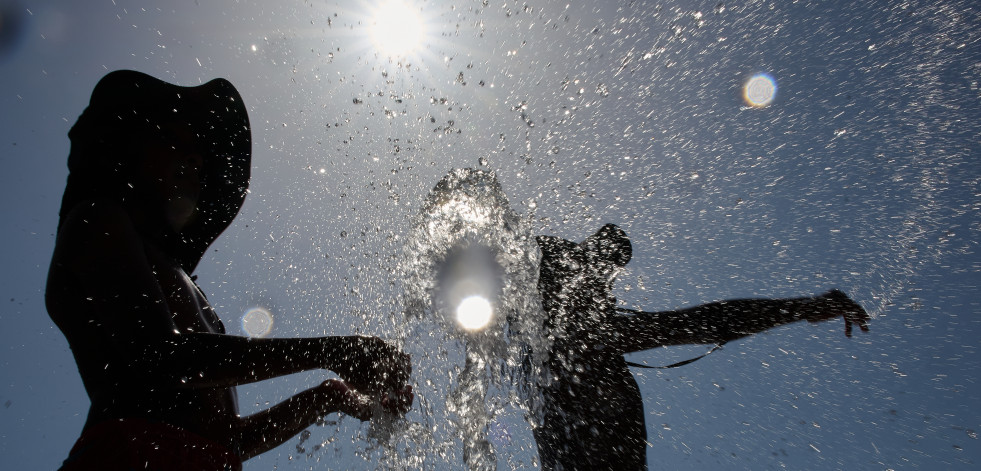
814	309
331	350
331	394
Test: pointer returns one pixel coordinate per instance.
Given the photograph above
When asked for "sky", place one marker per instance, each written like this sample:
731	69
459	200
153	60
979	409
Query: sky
861	173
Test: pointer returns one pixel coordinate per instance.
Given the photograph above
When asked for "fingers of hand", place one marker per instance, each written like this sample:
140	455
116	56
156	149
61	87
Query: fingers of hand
850	310
356	405
398	370
392	369
348	400
399	401
374	366
859	317
863	323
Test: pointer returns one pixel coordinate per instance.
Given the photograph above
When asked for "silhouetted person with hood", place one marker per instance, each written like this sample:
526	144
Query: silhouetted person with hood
593	410
157	172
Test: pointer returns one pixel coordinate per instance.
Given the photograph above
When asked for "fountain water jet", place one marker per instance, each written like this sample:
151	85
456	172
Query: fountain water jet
468	245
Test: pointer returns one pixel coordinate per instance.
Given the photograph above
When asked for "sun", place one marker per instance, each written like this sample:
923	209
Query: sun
396	28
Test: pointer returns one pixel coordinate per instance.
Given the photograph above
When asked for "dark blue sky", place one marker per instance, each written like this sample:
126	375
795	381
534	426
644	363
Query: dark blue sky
863	174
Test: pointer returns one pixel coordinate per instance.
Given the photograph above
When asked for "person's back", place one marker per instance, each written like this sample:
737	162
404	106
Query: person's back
593	409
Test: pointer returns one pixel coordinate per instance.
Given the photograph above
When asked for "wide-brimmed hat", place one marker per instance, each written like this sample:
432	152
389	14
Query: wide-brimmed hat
128	107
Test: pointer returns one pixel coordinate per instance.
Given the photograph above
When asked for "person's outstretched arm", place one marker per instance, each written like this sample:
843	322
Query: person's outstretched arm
265	430
198	360
723	321
104	295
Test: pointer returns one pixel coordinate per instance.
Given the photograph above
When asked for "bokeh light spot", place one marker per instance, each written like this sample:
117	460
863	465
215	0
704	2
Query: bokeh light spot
474	312
760	90
257	322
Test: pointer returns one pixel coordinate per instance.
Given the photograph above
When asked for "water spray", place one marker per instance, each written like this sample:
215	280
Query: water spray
472	271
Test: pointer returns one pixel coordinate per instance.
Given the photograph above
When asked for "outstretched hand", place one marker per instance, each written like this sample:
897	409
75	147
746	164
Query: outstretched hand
372	366
398	402
835	303
339	396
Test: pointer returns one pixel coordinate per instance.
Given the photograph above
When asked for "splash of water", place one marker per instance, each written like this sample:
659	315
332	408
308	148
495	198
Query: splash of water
465	242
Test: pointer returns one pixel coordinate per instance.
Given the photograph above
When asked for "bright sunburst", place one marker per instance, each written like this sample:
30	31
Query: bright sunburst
396	28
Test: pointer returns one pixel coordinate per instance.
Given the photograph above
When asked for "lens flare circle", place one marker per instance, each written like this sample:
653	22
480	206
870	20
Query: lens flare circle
474	312
257	322
760	90
396	28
